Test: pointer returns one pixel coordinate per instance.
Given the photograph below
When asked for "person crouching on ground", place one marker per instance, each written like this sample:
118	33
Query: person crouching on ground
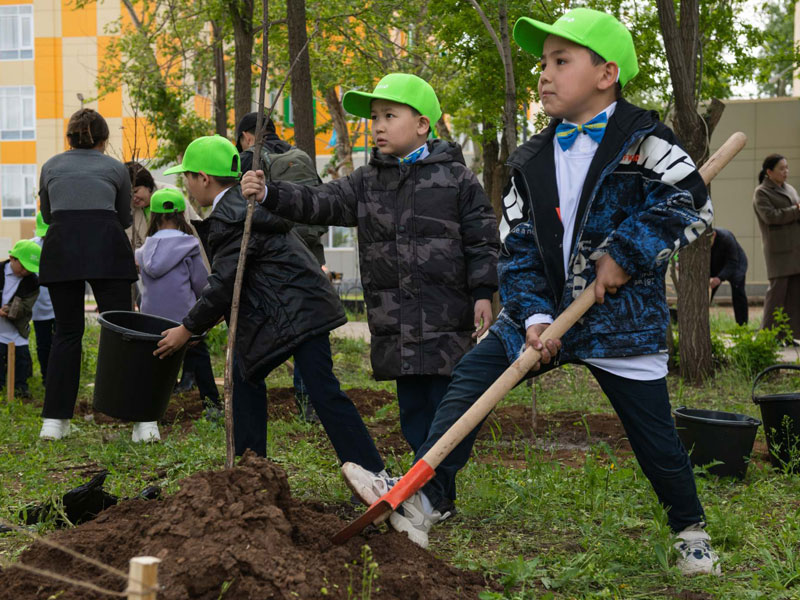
20	290
287	306
173	277
604	193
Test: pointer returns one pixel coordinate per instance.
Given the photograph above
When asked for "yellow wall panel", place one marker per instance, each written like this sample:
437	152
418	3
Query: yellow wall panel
78	22
17	153
15	2
49	81
110	105
138	139
202	106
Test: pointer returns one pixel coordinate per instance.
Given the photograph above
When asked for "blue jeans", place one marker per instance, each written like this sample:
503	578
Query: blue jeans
339	416
642	406
23	367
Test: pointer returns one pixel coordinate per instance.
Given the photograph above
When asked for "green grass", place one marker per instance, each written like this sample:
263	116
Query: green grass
540	527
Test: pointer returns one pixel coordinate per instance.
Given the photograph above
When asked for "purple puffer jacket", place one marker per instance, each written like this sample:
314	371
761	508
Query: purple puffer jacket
173	274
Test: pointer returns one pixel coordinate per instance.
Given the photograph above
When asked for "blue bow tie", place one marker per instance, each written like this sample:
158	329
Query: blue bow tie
567	134
413	157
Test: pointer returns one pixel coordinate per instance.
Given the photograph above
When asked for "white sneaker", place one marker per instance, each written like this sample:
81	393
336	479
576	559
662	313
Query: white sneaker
697	557
54	429
366	485
415	517
146	431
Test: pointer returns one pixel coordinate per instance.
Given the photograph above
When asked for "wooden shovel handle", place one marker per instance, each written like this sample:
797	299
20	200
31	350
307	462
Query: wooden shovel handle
503	384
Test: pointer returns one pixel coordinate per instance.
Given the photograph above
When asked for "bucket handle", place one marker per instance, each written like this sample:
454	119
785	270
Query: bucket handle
777	367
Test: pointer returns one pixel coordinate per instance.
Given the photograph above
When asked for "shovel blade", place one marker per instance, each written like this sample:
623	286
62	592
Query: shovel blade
379	511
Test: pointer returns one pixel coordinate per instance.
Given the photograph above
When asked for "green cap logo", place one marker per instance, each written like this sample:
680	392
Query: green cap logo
27	252
168	200
212	155
595	30
403	88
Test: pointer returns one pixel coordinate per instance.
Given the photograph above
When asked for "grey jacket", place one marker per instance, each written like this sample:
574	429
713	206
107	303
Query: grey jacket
779	220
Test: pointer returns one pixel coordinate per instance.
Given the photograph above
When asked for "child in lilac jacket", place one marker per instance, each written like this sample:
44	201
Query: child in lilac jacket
173	275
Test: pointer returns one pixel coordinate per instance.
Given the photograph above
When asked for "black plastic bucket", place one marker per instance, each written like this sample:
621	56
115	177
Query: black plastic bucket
781	416
131	383
717	436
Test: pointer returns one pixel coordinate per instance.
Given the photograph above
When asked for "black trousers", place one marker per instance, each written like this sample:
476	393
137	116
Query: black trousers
64	364
23	366
44	340
738	299
198	361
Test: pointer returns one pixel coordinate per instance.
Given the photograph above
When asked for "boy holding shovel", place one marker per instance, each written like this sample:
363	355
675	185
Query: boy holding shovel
287	306
604	193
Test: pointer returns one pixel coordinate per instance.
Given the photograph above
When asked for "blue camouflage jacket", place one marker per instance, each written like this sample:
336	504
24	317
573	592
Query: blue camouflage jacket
643	199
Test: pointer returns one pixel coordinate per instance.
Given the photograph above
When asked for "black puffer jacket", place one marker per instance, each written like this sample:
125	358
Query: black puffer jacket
286	299
428	244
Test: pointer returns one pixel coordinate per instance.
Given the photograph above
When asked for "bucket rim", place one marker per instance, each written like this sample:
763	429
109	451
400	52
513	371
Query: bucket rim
132	334
748	422
775	367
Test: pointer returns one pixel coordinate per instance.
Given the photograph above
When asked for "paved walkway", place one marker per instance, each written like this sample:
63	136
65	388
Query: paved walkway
355	330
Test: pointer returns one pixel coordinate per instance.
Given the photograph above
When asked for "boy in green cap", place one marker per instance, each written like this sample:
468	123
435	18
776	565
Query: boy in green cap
44	318
604	193
287	306
427	240
20	289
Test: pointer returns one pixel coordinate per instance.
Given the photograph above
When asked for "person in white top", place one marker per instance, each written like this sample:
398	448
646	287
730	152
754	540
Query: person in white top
605	193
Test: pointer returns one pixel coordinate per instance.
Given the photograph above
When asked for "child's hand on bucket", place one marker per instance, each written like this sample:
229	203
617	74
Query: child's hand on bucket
173	340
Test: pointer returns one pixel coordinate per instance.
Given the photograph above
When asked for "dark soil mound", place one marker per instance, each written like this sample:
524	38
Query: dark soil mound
281	404
238	528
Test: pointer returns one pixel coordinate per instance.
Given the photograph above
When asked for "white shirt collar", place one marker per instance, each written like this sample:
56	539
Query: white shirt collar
218	198
609	110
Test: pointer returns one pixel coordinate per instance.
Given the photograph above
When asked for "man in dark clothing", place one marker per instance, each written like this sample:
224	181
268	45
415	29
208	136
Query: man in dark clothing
729	263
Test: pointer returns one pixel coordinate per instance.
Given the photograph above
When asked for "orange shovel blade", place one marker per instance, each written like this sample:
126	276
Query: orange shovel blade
408	485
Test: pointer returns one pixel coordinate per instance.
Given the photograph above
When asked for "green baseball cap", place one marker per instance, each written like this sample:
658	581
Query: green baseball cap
168	200
212	155
41	226
396	87
27	252
593	29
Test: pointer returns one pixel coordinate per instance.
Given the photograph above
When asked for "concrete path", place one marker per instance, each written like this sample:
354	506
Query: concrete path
355	330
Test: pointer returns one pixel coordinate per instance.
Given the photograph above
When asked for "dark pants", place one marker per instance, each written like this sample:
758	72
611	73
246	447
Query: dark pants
299	386
23	366
198	361
44	339
64	365
339	416
642	406
418	397
739	300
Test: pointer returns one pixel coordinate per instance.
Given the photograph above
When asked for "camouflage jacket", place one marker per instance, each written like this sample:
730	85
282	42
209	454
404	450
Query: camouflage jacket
428	243
642	200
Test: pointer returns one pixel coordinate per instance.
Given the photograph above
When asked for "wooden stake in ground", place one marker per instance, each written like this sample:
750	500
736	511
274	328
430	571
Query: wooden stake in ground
248	223
143	578
12	360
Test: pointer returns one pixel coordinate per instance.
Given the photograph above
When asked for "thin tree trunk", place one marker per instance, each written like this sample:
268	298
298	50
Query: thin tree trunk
220	100
302	95
344	148
241	13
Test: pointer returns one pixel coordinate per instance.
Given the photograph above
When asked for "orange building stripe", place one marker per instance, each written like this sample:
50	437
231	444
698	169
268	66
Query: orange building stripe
78	22
48	78
109	105
138	139
18	153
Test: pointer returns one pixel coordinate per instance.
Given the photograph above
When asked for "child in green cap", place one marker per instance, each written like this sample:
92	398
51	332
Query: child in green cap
604	193
287	307
173	277
427	240
20	287
44	317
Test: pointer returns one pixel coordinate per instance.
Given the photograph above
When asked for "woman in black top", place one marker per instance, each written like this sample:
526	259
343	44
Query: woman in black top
86	198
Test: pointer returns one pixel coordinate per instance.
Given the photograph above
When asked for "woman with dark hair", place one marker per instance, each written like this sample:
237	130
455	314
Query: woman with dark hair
777	207
86	199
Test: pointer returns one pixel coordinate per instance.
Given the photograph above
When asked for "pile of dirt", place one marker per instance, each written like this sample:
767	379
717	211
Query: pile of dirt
281	403
238	529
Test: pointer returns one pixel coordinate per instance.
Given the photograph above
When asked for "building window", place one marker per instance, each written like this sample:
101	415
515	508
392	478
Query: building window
16	32
17	197
17	113
340	237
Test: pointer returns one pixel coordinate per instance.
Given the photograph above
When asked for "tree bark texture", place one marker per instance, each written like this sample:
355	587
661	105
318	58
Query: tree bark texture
220	100
241	14
302	95
344	147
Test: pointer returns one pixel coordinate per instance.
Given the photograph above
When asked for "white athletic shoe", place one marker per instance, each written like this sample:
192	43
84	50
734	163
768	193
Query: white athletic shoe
146	431
366	485
54	429
697	557
415	517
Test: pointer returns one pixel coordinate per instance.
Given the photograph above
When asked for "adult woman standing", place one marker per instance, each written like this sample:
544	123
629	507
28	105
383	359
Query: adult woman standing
777	207
86	199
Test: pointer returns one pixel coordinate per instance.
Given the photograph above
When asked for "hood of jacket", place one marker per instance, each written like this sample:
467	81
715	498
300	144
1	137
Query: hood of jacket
440	151
159	255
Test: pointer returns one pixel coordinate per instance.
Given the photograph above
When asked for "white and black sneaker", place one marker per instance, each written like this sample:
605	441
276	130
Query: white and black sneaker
145	431
415	517
696	556
367	486
54	429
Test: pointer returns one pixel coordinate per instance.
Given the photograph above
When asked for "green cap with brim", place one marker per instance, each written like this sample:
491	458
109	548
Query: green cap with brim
593	29
402	88
27	252
212	155
41	226
168	200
